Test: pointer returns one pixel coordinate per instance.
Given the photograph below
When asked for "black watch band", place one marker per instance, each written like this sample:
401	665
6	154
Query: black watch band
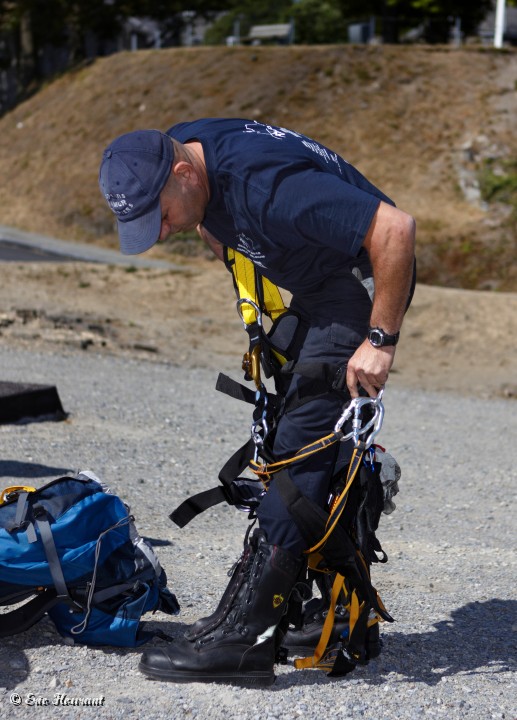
379	338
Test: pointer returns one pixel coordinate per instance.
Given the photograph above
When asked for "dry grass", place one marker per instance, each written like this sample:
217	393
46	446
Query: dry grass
417	121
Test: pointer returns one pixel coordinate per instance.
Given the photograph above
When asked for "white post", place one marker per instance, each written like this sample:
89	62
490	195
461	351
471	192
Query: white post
499	23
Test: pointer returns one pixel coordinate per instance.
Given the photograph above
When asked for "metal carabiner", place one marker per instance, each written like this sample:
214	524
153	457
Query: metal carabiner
251	359
260	427
248	301
354	411
258	431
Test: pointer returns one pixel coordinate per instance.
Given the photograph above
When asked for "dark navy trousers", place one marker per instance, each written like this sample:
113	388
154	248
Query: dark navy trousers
334	322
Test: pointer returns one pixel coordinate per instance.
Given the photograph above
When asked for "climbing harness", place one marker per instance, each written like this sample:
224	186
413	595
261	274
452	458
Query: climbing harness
341	538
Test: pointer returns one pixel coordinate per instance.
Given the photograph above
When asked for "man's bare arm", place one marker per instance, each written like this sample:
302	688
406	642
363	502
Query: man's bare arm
390	243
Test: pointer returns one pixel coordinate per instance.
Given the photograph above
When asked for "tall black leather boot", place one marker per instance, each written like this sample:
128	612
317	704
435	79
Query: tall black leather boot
236	644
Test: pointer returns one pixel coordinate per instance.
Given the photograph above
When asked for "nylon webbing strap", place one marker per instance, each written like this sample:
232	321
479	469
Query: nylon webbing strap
102	595
339	506
234	389
267	469
313	661
21	507
246	280
359	614
200	502
309	517
273	302
197	504
49	546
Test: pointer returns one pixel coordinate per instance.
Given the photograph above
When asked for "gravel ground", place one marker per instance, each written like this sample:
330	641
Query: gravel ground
157	433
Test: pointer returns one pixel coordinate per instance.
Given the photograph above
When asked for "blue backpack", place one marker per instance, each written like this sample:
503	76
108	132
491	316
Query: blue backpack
73	548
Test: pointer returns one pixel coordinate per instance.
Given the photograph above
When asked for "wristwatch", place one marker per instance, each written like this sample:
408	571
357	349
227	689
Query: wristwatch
379	338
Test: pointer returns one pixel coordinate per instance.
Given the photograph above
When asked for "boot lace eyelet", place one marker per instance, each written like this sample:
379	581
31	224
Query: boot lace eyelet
204	641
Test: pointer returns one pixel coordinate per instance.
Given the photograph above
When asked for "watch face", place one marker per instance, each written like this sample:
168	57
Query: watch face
376	337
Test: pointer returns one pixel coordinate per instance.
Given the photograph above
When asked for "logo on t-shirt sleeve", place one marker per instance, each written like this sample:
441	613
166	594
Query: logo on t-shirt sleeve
282	133
246	247
261	129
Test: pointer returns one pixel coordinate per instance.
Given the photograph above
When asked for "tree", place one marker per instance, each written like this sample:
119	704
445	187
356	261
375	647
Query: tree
441	14
36	24
437	16
246	13
318	21
31	31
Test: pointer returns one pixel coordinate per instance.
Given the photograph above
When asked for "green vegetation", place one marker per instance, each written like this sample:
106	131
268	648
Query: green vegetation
498	181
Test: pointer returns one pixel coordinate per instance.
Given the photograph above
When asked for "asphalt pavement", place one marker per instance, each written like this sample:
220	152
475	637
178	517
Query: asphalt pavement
19	246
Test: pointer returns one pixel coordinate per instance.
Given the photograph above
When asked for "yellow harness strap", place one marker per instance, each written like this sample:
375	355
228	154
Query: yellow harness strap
314	660
245	278
264	470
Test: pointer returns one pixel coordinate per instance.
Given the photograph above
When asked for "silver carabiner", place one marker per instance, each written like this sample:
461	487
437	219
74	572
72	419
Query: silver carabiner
258	431
260	427
247	301
354	411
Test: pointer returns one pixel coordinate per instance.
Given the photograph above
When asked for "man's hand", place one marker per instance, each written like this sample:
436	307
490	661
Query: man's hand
369	367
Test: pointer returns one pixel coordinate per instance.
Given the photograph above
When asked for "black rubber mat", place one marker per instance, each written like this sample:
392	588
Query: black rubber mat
23	401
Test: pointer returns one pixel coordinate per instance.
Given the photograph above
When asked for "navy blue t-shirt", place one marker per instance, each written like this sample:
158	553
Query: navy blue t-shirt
298	210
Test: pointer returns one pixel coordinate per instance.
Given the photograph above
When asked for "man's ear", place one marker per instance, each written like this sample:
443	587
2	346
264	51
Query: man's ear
184	171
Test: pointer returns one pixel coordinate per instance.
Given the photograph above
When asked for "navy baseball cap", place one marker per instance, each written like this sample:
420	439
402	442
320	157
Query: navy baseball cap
133	172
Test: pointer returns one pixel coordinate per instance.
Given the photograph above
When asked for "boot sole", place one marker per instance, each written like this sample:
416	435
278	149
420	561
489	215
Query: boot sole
250	680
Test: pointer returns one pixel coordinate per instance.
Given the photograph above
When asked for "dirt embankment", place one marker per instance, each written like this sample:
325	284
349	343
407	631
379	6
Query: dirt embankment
421	122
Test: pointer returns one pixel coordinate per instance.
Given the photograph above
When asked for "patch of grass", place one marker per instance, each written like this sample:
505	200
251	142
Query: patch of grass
498	181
